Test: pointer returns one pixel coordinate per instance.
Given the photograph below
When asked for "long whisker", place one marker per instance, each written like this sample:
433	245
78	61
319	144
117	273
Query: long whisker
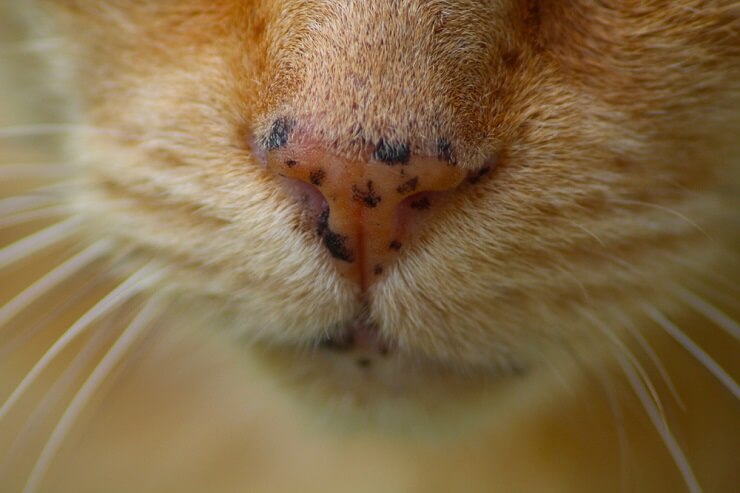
633	360
50	314
653	356
616	410
697	352
38	241
125	291
711	312
679	458
22	203
112	358
27	217
60	388
664	209
51	280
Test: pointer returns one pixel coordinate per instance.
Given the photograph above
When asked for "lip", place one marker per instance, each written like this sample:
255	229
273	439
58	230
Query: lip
360	336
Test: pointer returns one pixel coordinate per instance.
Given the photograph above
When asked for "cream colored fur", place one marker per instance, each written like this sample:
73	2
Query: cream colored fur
615	125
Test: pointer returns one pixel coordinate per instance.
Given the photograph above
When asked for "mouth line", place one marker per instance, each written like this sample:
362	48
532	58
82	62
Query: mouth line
359	337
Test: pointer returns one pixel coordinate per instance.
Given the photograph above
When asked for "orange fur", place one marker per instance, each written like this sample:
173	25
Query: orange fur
615	128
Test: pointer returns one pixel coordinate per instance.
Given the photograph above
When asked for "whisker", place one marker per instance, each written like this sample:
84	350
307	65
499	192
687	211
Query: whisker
616	411
52	279
29	332
12	205
694	350
27	217
633	360
711	312
655	359
83	396
661	426
664	209
138	281
63	384
38	241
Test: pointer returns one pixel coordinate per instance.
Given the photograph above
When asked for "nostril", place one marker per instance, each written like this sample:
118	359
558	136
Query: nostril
310	198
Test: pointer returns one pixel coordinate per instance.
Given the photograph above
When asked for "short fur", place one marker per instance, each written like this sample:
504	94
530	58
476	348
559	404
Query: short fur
614	126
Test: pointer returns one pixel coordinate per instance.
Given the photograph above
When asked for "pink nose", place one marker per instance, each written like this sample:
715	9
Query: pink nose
371	206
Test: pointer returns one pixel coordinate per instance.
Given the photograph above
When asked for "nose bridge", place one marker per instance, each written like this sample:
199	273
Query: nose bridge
364	223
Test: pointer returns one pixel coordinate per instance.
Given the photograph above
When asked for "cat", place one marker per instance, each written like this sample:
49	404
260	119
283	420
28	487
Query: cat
375	245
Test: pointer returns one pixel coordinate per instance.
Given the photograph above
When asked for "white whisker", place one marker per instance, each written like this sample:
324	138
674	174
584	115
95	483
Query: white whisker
679	458
616	410
589	233
52	279
50	314
635	362
38	241
125	291
653	356
70	375
83	396
711	312
694	350
12	205
664	209
26	217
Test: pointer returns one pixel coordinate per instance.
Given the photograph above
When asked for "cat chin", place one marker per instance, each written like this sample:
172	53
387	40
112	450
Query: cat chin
391	390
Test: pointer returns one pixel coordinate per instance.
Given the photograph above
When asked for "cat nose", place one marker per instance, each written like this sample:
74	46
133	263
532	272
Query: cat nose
368	208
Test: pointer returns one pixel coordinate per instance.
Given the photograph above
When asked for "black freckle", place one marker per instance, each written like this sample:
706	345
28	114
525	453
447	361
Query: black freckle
367	197
395	245
421	204
335	243
408	186
378	269
392	154
364	362
444	151
476	176
290	163
317	177
279	133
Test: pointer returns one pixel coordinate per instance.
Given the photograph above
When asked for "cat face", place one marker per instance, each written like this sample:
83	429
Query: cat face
584	147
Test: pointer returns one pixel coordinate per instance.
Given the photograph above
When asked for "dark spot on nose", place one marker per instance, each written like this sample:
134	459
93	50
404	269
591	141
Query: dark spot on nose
444	151
392	153
421	204
334	242
317	177
395	245
378	269
278	135
364	362
367	197
290	163
408	186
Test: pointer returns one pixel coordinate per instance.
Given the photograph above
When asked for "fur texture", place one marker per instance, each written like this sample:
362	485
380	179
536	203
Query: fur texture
614	128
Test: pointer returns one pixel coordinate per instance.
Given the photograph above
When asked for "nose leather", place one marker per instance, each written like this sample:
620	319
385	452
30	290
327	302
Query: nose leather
369	201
